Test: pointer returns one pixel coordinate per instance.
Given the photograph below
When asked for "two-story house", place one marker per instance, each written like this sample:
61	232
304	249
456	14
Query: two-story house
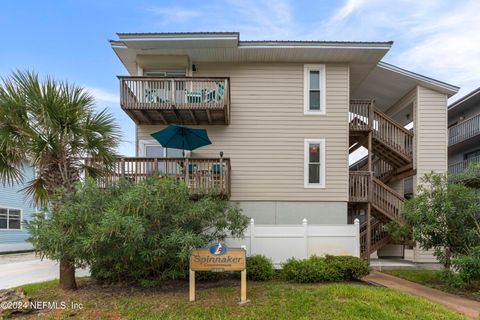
463	133
283	117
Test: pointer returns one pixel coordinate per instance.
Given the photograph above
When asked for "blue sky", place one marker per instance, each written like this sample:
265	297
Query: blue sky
68	39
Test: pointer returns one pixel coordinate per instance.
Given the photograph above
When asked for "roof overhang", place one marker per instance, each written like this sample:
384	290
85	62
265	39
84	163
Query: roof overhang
227	47
387	84
464	103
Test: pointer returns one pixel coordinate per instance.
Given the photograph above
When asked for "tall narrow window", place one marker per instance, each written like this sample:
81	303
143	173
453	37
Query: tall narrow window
314	163
10	218
314	89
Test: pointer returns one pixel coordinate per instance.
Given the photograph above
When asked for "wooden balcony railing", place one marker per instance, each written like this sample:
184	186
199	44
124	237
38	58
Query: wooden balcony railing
202	176
359	184
392	134
464	130
459	167
364	187
360	113
192	101
386	200
363	117
378	235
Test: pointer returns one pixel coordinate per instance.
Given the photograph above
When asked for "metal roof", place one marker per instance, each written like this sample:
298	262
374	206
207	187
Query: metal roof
464	99
253	43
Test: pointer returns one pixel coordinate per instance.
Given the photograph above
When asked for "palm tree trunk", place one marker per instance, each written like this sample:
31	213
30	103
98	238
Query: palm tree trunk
67	274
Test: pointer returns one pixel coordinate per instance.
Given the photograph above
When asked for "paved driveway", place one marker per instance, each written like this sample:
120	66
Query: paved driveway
23	268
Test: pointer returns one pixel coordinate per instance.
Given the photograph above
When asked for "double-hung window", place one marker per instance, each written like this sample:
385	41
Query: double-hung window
10	218
314	89
314	166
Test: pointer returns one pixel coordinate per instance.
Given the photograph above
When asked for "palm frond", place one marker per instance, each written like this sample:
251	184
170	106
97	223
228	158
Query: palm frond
37	191
52	124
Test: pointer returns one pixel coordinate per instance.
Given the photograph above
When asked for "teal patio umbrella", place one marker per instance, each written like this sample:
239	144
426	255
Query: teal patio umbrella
182	137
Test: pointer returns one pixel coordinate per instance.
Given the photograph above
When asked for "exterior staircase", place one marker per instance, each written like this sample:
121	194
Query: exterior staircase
391	148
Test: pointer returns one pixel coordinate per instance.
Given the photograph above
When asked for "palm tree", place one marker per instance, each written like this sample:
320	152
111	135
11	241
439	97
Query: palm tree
52	125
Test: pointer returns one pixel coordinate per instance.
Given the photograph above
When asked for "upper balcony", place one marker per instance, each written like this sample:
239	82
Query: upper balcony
464	130
188	101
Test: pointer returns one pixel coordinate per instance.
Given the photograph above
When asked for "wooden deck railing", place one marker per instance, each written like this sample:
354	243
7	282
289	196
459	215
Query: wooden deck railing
202	176
392	134
459	167
162	93
378	236
464	130
386	200
358	187
365	188
360	113
384	128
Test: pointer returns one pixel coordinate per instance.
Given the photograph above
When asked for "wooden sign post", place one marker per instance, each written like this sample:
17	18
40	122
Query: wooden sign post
218	258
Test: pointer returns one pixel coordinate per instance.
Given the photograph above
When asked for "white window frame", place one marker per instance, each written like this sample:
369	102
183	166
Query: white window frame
306	163
8	218
306	89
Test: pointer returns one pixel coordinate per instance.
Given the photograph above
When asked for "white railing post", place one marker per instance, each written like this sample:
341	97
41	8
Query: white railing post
305	235
356	222
252	236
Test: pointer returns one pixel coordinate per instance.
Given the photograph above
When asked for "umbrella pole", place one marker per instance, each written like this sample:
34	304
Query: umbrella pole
187	169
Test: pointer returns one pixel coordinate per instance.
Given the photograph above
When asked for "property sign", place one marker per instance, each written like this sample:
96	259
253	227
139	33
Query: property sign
218	257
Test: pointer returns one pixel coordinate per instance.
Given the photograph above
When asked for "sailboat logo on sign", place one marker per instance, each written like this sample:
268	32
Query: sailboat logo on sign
218	249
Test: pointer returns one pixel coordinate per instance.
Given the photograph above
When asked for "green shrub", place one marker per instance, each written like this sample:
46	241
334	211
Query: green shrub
451	278
468	266
324	269
351	268
259	268
301	271
136	232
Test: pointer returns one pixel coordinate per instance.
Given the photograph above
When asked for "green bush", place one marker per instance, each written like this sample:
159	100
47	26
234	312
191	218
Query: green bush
351	268
324	269
136	232
468	266
451	278
259	268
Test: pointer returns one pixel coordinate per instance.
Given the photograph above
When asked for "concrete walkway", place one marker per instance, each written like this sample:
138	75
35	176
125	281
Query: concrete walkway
467	307
24	268
380	264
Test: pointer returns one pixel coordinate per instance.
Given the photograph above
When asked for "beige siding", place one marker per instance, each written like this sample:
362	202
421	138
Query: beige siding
265	138
430	132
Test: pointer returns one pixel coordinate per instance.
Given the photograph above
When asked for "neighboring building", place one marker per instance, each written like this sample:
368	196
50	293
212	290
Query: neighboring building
463	132
15	207
285	115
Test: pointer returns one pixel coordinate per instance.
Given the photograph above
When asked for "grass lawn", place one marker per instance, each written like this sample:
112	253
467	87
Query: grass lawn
432	278
271	300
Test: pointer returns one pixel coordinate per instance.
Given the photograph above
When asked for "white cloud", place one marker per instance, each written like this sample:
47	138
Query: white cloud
263	19
104	96
173	14
446	46
344	11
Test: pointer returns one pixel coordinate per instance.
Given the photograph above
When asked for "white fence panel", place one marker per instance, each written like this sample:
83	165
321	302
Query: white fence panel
281	242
